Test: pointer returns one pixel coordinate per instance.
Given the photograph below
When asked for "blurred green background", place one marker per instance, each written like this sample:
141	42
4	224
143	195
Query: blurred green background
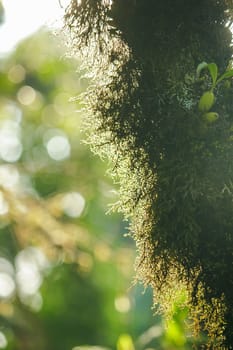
66	268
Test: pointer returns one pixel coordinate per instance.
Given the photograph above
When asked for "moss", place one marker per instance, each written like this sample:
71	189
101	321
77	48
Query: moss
173	169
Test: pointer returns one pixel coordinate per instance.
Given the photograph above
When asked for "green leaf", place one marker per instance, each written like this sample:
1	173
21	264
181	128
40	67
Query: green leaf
210	117
213	69
200	67
206	101
226	75
125	342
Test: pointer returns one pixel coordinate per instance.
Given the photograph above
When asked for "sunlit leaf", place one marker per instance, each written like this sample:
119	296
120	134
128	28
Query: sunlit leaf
200	67
228	74
175	334
125	342
213	69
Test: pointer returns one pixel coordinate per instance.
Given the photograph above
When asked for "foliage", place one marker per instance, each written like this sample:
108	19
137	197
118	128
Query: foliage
173	168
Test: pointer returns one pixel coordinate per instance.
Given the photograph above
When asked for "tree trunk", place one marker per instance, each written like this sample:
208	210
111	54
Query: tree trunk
173	160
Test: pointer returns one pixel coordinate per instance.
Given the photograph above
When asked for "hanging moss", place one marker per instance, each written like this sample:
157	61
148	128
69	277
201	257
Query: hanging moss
174	168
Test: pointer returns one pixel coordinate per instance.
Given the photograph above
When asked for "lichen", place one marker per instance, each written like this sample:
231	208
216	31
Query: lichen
172	168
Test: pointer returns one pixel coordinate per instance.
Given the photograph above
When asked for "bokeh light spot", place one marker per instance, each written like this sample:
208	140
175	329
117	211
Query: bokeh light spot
28	280
6	266
7	285
10	144
34	301
26	95
9	176
11	149
10	113
3	341
29	264
16	74
73	204
122	304
58	147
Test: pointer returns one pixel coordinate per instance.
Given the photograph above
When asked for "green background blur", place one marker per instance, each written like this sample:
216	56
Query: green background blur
66	268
